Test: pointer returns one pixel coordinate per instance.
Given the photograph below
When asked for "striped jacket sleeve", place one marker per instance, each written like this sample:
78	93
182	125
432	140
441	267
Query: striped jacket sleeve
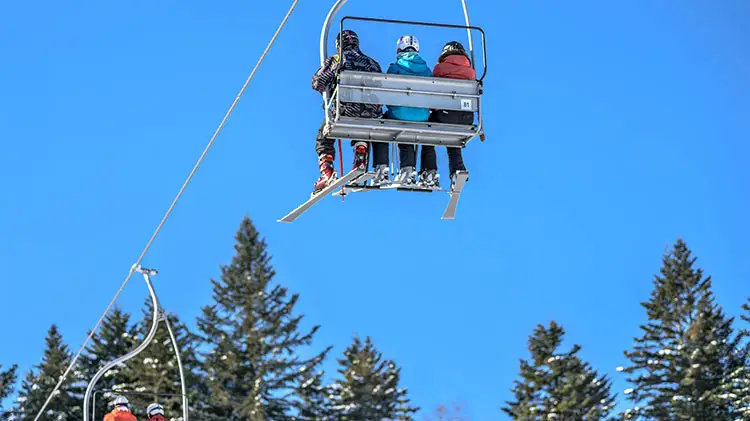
323	78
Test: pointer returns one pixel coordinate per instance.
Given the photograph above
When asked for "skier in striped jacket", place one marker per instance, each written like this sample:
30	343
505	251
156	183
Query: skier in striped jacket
323	81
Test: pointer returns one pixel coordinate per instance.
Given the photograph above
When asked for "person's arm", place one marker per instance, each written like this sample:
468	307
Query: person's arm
324	77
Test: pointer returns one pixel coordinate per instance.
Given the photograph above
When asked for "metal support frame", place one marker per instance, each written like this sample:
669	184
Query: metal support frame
334	102
340	3
158	315
324	43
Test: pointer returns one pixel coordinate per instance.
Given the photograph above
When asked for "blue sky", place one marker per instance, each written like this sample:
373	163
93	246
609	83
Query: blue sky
612	129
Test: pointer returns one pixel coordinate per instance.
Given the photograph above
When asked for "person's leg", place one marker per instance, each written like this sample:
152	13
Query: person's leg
361	154
455	161
407	173
428	176
324	146
455	157
428	158
379	153
326	154
380	163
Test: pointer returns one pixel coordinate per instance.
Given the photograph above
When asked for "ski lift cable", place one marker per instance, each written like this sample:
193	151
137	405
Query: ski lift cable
169	211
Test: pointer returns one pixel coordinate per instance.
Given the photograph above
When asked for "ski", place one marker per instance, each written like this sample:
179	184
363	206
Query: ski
450	210
349	177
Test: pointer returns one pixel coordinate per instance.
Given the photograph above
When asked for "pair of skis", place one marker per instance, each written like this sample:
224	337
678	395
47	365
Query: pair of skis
351	184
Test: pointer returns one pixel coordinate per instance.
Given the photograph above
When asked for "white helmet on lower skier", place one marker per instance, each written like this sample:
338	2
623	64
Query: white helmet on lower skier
154	409
406	42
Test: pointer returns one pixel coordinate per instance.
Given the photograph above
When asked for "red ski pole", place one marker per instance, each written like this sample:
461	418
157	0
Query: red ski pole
341	167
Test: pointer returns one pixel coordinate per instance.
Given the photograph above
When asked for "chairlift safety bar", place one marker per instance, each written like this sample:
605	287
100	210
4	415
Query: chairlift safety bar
419	23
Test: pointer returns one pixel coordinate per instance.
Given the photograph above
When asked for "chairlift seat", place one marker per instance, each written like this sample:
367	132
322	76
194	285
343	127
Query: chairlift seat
408	91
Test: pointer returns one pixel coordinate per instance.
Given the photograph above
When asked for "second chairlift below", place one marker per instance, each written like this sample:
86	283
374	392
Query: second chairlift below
121	411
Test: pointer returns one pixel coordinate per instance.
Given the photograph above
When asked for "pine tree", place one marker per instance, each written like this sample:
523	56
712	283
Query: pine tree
314	403
252	363
679	365
369	389
7	381
557	385
736	386
115	338
157	375
41	380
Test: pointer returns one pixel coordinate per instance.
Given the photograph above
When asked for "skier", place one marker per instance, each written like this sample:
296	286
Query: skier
155	412
408	62
121	411
453	63
324	81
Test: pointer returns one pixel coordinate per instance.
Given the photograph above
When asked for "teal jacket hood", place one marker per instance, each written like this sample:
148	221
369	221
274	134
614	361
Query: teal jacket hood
410	63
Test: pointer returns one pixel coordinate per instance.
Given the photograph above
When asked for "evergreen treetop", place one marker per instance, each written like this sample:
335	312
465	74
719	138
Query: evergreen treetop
254	345
7	381
557	385
369	386
41	380
679	365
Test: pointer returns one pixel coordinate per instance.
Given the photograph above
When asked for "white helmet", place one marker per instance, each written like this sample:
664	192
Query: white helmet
407	41
122	401
154	409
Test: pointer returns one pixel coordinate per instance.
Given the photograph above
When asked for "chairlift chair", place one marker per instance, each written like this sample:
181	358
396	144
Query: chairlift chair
399	90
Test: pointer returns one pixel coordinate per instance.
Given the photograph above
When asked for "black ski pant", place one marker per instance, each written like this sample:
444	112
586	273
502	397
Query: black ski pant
455	158
325	146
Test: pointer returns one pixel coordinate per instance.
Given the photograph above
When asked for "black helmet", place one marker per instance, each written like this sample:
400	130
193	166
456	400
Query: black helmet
453	48
349	39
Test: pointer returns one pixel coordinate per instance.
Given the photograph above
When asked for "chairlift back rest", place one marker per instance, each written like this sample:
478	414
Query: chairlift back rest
409	91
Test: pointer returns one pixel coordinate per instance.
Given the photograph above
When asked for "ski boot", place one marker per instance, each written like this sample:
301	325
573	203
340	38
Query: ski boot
406	177
381	176
360	155
453	178
429	179
327	174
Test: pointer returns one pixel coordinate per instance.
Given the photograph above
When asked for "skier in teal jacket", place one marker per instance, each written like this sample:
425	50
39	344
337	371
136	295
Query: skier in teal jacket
408	62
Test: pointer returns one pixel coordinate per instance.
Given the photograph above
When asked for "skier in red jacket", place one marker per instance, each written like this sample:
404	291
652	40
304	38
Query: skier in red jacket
121	412
453	63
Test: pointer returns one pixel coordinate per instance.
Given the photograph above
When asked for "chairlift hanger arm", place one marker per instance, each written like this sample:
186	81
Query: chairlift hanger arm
146	341
158	315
